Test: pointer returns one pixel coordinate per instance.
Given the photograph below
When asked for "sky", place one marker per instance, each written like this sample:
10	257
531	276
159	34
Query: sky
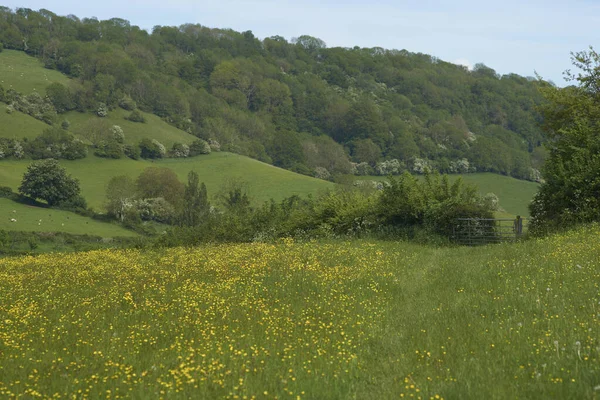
510	36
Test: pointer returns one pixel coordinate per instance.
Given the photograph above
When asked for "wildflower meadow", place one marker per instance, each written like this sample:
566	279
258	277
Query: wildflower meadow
305	320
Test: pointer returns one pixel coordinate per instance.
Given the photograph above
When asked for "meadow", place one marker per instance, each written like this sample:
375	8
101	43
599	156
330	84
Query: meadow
39	219
264	181
18	125
26	74
153	128
314	320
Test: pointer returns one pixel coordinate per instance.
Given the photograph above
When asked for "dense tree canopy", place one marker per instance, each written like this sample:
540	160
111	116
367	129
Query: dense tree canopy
571	191
48	181
253	97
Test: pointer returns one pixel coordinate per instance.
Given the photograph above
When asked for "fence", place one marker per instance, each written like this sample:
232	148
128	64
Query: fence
478	231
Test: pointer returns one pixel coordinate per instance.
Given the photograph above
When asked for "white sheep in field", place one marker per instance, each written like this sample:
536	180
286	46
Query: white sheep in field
13	220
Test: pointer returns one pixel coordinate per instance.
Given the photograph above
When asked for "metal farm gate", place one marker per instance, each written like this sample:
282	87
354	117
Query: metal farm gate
478	231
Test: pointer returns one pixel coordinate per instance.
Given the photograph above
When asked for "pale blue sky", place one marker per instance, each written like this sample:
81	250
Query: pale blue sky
509	36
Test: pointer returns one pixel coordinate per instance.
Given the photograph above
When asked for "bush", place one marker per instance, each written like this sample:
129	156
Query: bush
180	150
131	151
102	110
127	103
198	147
117	134
55	143
136	116
74	203
322	173
109	149
6	192
151	149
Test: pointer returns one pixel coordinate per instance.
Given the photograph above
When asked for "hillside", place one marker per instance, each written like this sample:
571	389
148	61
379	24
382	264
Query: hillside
18	125
336	320
264	181
26	74
299	105
154	128
37	219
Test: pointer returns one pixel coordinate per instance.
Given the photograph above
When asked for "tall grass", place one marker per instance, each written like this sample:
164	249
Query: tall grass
317	320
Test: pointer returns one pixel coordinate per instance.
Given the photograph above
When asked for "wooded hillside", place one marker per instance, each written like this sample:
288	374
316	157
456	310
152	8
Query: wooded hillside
296	104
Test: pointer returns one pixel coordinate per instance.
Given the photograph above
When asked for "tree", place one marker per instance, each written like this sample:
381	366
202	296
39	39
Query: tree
195	202
60	97
156	182
571	191
48	181
120	190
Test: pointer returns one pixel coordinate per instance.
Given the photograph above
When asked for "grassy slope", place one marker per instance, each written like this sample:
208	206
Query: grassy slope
514	194
339	320
265	181
154	128
28	219
25	74
18	125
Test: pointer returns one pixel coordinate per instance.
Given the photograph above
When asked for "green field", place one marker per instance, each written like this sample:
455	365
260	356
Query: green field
154	128
37	219
264	181
514	194
26	74
18	125
315	320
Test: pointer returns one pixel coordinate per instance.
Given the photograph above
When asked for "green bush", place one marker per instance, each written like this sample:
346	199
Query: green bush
6	192
109	149
131	151
151	149
136	116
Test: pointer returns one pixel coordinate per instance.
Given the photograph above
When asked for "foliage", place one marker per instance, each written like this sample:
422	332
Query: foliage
56	143
198	147
120	191
433	203
136	116
569	193
156	182
48	181
151	148
196	206
259	98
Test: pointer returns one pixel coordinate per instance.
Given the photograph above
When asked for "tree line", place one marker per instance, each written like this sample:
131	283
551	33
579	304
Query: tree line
296	104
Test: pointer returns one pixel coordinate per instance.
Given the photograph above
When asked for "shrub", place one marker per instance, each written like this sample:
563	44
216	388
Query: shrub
180	150
364	169
155	209
131	151
65	125
117	134
322	173
127	103
109	149
199	146
102	110
5	191
389	167
136	116
151	149
214	145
